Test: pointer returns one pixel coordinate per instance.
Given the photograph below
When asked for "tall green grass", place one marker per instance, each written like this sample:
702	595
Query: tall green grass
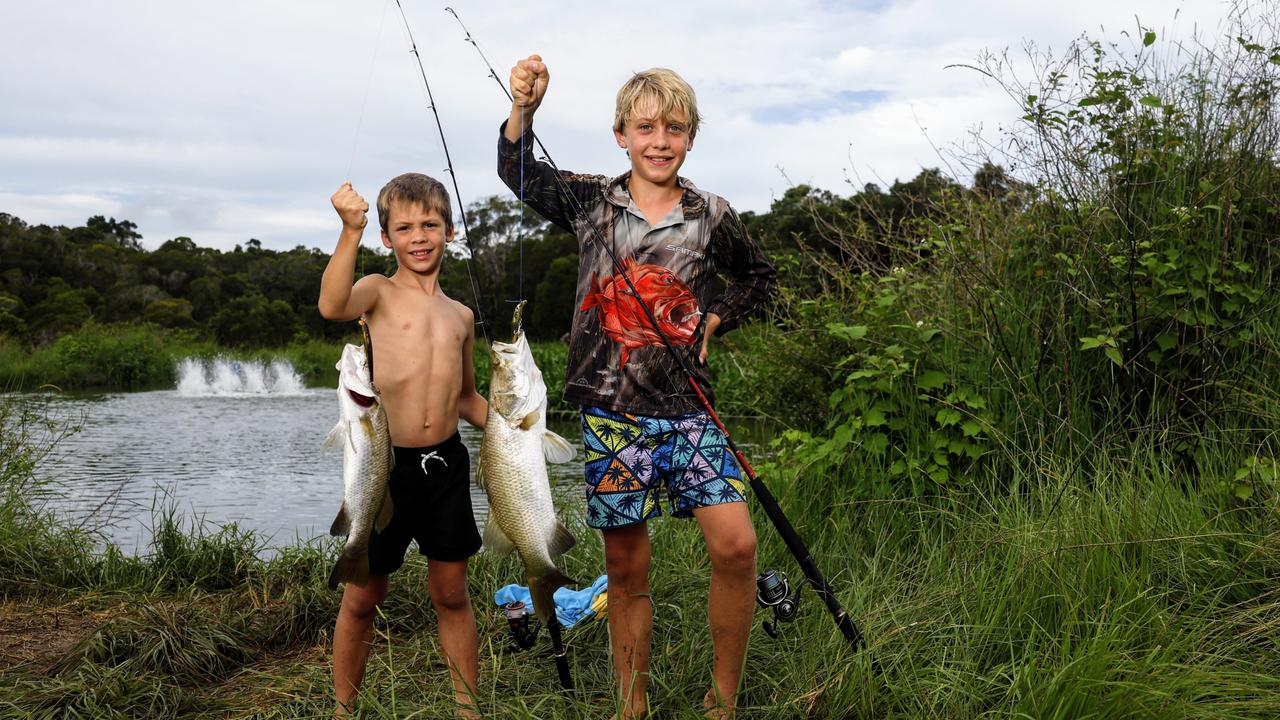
1126	594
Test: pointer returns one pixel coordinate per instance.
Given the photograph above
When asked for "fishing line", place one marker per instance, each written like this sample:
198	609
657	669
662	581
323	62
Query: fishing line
768	502
520	238
453	177
364	103
493	74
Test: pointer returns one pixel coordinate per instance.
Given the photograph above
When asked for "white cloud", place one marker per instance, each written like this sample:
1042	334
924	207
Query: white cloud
237	120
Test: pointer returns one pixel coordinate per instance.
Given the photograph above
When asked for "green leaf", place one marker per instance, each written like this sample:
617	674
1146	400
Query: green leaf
874	417
948	416
931	380
843	435
847	332
1244	491
1149	38
971	428
1151	101
877	443
1114	354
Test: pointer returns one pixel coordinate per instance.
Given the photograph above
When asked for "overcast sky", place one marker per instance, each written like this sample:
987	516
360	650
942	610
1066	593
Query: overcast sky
225	121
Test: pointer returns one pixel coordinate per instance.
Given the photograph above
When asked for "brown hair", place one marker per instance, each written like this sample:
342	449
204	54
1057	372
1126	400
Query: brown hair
666	90
418	189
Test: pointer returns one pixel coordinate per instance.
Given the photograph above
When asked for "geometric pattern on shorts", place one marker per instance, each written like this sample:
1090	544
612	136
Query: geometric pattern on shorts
629	457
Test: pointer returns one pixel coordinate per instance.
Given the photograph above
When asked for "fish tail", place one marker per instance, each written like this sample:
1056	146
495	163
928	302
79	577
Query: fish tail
543	590
351	567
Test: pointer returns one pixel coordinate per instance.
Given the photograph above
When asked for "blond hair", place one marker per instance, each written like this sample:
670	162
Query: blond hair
665	90
418	189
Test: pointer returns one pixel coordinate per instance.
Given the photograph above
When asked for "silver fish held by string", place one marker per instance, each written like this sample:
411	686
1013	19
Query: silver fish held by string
362	433
512	469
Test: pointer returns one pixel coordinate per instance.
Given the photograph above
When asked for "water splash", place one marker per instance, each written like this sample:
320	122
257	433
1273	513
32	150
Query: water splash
227	377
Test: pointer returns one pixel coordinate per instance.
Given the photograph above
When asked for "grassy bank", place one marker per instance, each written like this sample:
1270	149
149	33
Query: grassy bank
1123	595
128	356
131	356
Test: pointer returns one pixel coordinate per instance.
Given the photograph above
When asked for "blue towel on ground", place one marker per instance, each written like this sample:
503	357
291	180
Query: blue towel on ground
571	605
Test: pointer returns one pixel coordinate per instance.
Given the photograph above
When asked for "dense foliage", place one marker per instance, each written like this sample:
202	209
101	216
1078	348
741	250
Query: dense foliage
1115	296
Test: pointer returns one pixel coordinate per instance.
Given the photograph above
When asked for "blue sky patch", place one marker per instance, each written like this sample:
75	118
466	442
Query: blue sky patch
819	107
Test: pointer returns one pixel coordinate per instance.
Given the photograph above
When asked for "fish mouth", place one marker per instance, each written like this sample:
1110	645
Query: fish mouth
361	400
683	312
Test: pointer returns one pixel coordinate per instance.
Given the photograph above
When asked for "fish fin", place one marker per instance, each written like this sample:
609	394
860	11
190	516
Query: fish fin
556	449
479	480
385	512
341	524
336	436
530	420
543	590
352	567
561	540
496	541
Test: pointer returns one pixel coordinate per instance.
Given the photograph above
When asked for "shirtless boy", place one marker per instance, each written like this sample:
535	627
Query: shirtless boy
422	342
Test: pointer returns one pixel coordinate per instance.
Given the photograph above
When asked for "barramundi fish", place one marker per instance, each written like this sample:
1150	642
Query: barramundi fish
365	439
513	472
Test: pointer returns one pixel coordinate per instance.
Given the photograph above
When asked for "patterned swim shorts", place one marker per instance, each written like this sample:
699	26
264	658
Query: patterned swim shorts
629	457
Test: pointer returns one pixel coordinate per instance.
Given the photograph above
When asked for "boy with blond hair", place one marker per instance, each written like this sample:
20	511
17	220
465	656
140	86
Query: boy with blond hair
422	343
643	424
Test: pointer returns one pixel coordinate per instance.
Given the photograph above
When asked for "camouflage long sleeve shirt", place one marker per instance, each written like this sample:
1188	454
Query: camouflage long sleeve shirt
616	359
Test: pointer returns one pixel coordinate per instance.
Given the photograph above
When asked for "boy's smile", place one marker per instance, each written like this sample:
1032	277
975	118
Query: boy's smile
417	236
657	146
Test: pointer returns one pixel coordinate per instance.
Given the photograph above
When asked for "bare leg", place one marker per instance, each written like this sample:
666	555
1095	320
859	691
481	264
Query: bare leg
627	555
352	638
447	584
731	543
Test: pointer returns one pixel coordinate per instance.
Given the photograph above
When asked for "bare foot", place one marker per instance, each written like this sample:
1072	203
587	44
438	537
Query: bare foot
717	710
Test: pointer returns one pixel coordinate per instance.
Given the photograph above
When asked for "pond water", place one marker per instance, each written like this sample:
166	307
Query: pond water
231	443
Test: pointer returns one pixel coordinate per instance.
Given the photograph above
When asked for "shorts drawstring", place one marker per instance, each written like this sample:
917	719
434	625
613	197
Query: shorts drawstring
433	455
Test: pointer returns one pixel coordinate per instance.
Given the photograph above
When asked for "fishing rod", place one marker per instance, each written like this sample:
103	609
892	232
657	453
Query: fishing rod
768	584
453	177
553	625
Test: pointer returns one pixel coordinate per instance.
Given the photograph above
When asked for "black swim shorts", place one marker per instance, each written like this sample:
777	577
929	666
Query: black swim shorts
431	490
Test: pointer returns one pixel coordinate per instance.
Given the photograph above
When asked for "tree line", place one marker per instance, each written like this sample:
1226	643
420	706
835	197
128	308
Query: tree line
55	279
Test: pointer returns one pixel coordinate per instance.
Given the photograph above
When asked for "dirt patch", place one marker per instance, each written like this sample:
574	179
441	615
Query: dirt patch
33	635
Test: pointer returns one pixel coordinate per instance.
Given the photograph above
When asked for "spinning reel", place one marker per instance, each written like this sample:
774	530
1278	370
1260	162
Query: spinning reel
524	632
773	591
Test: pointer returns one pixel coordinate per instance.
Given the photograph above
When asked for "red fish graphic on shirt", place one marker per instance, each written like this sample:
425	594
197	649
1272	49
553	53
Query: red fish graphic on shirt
622	317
